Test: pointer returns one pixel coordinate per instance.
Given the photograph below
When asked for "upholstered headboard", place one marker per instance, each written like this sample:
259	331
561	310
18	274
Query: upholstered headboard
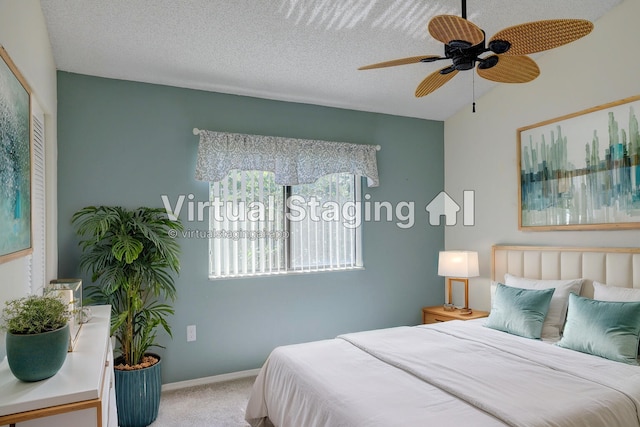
612	266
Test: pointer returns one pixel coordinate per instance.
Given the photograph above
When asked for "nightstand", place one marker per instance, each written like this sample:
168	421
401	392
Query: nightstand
438	314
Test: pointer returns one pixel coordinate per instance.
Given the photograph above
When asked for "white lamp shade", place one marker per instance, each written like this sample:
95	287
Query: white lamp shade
458	264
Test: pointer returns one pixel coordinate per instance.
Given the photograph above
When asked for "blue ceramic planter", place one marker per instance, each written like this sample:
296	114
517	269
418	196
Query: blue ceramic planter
138	395
39	356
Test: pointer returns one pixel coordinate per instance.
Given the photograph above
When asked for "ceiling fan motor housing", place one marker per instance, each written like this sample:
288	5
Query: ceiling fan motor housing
463	55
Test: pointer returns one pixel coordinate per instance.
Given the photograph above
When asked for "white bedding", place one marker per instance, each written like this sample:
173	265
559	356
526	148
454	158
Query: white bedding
453	373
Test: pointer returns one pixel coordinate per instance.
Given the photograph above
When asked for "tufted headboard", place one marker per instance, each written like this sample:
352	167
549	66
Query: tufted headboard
612	266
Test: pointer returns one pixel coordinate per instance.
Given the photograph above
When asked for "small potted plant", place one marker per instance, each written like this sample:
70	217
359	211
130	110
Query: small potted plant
37	337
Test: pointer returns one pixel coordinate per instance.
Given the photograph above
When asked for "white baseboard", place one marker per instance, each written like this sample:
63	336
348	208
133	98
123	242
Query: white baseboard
210	380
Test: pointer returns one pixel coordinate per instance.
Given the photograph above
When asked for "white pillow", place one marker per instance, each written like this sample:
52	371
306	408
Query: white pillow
604	292
554	322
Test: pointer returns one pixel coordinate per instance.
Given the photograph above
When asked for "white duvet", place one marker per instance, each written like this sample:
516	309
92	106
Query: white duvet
453	373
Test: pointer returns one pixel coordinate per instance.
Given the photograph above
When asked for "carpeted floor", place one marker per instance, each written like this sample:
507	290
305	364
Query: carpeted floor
212	405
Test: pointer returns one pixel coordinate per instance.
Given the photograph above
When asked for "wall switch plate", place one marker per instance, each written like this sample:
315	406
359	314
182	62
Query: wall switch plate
191	333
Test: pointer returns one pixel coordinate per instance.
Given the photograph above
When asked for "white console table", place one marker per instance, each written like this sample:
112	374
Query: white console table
80	394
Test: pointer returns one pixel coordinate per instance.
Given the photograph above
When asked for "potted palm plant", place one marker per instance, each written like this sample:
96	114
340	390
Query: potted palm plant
37	337
132	256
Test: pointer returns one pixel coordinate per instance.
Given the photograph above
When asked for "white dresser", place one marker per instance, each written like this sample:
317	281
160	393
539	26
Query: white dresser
80	394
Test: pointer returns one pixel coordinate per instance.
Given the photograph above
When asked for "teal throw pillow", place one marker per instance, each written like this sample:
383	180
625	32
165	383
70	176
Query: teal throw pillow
603	328
519	311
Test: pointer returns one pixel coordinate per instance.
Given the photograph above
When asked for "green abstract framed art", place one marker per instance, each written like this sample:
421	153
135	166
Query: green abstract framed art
15	162
581	171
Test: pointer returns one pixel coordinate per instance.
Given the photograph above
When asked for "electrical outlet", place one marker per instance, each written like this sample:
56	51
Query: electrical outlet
191	333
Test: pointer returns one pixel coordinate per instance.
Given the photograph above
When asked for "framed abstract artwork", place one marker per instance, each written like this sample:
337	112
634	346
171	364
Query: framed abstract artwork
581	171
15	162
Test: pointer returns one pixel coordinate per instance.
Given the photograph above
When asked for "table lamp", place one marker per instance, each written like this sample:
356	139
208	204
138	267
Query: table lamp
458	266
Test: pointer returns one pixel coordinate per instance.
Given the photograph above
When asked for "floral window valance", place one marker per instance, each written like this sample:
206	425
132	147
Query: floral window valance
293	161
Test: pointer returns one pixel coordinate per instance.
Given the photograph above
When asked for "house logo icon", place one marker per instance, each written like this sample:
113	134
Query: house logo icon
445	205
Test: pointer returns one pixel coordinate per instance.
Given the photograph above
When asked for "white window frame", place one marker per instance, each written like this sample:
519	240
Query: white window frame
241	270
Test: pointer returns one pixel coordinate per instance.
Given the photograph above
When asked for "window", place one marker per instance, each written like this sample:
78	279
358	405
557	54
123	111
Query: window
266	217
259	227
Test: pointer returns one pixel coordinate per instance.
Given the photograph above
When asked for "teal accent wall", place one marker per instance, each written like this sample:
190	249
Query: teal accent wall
126	143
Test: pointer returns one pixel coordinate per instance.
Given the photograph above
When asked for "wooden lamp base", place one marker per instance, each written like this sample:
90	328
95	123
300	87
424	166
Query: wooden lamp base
465	309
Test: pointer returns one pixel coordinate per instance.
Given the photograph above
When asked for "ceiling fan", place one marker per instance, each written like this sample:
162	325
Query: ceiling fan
507	61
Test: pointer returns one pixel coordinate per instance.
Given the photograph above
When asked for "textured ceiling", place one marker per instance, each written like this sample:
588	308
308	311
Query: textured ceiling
295	50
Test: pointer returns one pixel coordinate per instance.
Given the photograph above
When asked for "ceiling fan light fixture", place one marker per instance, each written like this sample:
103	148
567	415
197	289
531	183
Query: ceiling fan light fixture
448	70
462	63
489	62
459	44
499	46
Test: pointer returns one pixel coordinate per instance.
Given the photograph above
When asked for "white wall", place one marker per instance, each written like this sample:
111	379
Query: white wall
480	148
24	36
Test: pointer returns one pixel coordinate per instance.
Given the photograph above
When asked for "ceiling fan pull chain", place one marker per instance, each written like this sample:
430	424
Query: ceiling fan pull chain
473	92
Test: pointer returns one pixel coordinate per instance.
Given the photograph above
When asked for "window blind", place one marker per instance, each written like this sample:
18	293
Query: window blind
247	225
321	241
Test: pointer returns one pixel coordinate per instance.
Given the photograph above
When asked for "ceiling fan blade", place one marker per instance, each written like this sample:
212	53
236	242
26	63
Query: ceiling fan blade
446	28
401	61
537	36
434	81
510	69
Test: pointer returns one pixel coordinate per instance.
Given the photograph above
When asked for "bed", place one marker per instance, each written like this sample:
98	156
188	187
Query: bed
466	373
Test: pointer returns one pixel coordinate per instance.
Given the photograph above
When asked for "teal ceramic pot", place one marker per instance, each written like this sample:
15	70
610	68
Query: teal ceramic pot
138	395
38	356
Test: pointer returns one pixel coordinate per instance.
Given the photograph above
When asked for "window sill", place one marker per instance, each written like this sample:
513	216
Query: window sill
286	273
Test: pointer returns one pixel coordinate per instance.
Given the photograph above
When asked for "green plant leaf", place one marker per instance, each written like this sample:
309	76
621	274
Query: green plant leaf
127	247
133	262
